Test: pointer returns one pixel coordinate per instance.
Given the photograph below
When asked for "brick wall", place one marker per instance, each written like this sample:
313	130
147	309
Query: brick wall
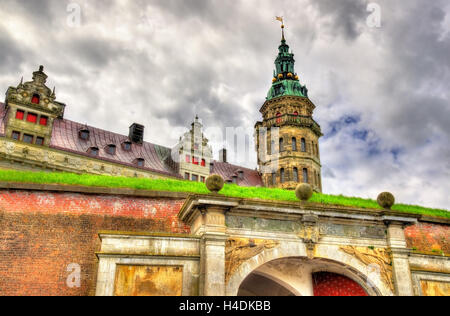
425	237
42	233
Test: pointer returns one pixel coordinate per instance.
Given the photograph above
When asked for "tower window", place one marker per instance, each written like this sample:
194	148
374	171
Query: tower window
43	120
84	134
39	141
303	145
295	173
20	114
294	144
305	176
282	175
111	149
32	118
15	135
28	138
36	99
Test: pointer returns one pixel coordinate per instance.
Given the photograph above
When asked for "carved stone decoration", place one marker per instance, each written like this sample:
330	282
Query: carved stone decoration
310	234
239	250
374	256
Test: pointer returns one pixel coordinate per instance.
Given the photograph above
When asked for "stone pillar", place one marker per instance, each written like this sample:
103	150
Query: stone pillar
211	227
400	259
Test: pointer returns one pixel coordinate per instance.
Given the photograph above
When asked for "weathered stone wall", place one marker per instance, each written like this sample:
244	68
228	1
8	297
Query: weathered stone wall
42	233
427	237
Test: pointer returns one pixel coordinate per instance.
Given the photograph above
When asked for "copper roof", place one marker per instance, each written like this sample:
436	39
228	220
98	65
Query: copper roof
65	136
244	177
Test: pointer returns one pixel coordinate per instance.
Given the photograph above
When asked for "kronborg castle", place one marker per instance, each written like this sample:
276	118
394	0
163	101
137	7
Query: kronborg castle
80	240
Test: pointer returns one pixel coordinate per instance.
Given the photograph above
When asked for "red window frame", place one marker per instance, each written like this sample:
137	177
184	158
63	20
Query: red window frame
203	163
188	158
43	121
195	160
20	115
35	99
32	118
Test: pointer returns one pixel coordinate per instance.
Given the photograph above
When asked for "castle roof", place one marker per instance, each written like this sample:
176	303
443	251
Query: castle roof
244	177
66	137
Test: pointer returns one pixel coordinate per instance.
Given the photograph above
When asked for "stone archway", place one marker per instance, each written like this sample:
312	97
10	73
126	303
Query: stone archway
294	262
298	276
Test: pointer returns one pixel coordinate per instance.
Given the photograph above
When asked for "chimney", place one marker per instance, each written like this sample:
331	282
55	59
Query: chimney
223	155
136	133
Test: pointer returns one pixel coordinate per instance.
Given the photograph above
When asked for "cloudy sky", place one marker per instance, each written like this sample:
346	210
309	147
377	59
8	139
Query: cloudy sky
382	93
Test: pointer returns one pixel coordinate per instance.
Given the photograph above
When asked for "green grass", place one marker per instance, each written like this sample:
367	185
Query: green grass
193	187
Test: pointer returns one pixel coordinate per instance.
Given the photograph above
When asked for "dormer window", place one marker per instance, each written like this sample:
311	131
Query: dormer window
140	162
126	146
93	151
36	99
111	149
241	174
84	134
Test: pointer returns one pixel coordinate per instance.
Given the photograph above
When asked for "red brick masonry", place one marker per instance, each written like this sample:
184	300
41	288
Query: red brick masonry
42	233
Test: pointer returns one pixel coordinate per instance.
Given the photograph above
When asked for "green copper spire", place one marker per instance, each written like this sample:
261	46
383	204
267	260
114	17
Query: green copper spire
285	80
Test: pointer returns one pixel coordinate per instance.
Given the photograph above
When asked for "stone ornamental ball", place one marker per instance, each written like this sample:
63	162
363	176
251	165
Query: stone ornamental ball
386	200
215	183
304	192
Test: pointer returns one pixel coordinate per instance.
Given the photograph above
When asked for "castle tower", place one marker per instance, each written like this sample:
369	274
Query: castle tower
287	139
31	111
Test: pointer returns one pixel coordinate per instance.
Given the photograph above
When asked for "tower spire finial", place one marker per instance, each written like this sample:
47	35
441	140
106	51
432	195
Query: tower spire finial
281	19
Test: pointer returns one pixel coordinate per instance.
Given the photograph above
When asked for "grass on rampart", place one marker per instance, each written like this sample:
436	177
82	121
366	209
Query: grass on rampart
194	187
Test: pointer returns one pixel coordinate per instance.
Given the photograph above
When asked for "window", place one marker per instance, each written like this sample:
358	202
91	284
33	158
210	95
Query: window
194	178
188	159
93	151
43	120
20	114
317	150
295	113
35	99
203	179
140	162
234	180
295	174
187	176
32	118
195	160
84	134
241	174
282	175
15	135
111	149
28	138
203	163
305	176
39	141
126	146
294	144
303	145
281	144
279	119
274	178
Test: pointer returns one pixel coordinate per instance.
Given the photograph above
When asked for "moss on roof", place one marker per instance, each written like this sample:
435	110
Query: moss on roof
231	190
